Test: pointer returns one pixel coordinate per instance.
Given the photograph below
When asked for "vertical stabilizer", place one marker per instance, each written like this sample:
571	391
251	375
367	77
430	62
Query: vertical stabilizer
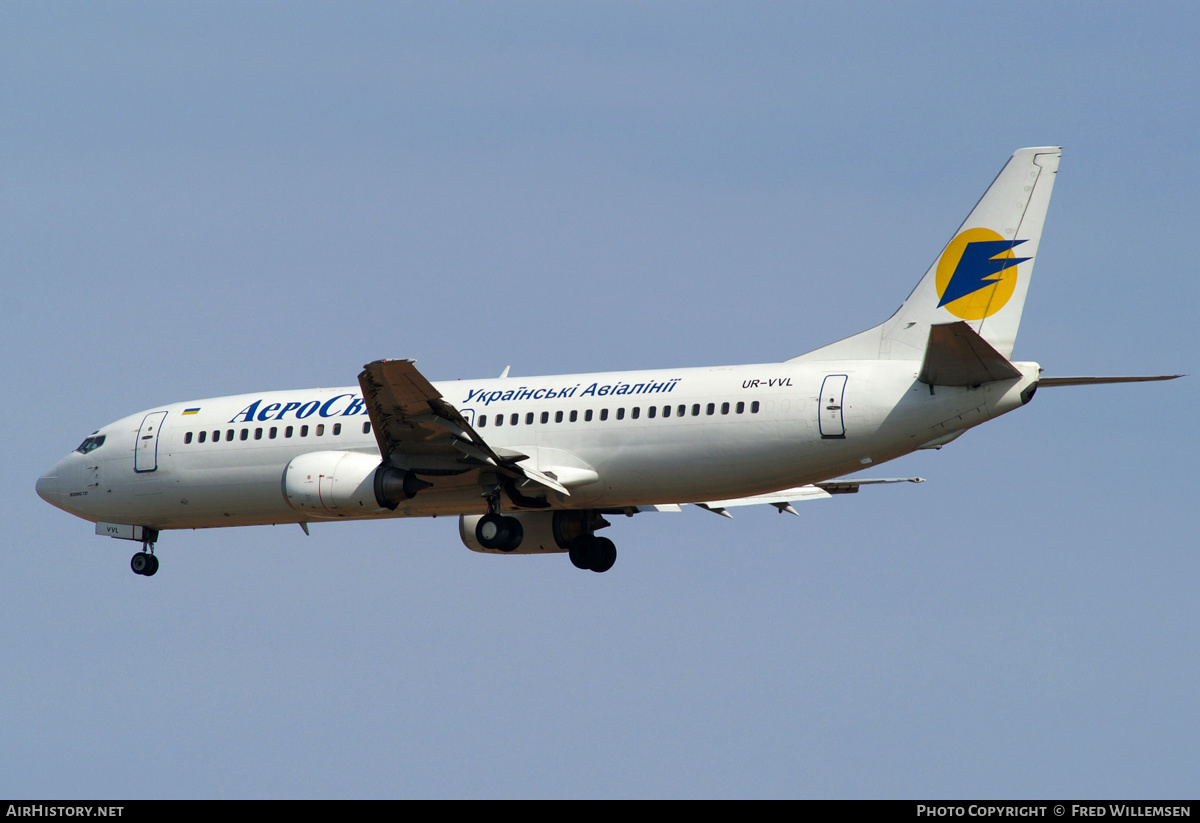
980	277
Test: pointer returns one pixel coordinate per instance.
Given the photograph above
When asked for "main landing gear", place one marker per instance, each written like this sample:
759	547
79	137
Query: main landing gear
495	531
593	553
573	531
144	562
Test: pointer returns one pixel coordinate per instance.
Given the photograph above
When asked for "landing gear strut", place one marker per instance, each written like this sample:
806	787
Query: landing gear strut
494	530
144	562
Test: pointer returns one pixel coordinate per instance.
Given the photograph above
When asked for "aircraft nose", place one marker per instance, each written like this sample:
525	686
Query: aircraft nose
47	486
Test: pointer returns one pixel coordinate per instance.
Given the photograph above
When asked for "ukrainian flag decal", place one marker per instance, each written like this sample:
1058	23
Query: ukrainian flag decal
977	274
192	411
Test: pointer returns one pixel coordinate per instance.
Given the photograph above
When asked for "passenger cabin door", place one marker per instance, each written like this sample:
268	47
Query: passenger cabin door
145	456
829	407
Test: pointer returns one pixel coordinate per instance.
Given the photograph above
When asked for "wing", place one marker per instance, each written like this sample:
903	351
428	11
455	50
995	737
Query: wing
783	500
419	432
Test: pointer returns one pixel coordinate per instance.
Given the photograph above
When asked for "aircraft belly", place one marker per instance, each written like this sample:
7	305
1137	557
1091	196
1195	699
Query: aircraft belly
208	497
658	471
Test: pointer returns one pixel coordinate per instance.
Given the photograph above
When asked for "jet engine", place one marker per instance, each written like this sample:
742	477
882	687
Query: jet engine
346	484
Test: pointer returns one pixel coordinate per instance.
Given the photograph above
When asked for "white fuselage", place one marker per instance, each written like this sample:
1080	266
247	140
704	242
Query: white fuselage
617	440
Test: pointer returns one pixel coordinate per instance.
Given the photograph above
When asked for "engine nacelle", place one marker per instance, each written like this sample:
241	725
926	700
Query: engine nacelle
394	485
545	532
333	484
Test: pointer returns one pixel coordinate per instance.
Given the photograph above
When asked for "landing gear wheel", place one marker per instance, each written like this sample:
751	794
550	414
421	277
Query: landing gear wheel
591	553
494	531
144	563
516	532
604	554
580	552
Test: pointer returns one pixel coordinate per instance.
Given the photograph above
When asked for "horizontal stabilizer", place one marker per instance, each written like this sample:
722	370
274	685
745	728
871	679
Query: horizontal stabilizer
958	356
1051	382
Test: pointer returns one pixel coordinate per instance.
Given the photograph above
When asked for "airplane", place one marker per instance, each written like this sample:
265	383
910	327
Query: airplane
535	465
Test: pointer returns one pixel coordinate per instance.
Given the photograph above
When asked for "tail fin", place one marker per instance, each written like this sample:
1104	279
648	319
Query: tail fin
981	276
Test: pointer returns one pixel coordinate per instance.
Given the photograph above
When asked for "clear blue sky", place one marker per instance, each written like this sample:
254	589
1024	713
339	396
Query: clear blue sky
206	198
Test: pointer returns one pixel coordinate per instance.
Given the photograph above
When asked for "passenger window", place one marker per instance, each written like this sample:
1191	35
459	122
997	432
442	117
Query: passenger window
695	410
650	412
499	420
666	411
187	438
558	417
287	432
711	409
754	407
320	430
681	411
229	434
482	421
201	438
635	412
258	434
274	431
545	417
724	408
217	436
514	420
621	414
604	414
367	428
741	407
587	416
304	431
529	418
574	415
337	428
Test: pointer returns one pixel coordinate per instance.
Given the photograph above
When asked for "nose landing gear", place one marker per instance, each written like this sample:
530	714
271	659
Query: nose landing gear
144	562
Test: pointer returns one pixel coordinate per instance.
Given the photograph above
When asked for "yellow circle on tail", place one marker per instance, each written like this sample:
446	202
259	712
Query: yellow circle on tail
986	301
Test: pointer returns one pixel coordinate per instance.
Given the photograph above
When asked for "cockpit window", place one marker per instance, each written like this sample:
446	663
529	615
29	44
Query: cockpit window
91	444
